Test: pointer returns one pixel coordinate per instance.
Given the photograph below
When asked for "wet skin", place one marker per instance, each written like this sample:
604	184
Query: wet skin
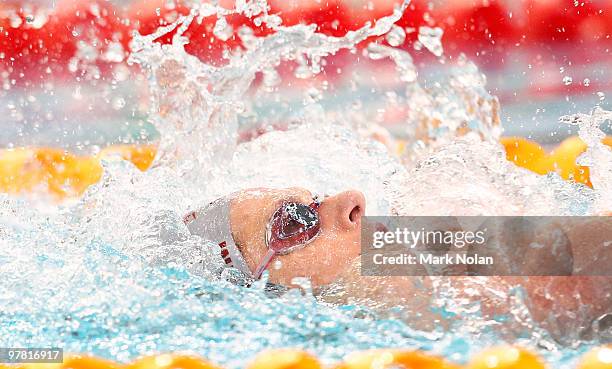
324	257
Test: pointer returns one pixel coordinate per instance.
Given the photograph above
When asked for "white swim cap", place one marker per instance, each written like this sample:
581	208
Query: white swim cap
212	223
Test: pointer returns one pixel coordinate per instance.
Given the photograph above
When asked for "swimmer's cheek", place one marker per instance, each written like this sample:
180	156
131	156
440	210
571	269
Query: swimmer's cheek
413	295
524	247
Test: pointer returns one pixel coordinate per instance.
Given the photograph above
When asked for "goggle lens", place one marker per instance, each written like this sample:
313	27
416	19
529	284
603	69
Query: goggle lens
295	218
292	226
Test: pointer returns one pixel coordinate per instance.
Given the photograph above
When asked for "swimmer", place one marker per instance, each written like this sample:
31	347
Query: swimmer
305	235
292	233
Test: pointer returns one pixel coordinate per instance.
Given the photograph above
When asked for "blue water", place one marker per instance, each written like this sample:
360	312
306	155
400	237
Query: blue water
175	311
69	288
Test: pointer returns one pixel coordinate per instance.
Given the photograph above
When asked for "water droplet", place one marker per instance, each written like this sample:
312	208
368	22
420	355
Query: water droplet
273	21
396	36
567	80
95	10
114	53
40	19
158	11
118	103
73	65
223	31
247	37
302	71
431	39
207	9
586	82
375	51
76	94
170	5
15	20
120	72
271	78
601	96
314	94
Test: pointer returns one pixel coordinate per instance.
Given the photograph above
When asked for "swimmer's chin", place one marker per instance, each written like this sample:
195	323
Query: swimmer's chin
351	272
346	275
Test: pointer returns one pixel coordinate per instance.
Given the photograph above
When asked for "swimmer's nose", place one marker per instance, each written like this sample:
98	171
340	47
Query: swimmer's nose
347	207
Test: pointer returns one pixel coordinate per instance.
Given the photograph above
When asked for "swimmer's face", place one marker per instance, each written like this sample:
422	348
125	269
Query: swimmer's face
324	257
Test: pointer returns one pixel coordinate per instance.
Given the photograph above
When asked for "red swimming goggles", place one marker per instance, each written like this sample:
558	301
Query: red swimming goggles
291	227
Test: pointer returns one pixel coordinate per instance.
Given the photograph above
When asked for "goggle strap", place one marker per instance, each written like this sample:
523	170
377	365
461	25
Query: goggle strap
264	263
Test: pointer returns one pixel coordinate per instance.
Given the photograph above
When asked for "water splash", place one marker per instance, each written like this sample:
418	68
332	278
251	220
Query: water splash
472	177
396	36
212	94
431	39
598	157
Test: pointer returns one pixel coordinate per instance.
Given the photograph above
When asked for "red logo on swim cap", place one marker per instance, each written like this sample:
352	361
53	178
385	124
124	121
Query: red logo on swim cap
225	253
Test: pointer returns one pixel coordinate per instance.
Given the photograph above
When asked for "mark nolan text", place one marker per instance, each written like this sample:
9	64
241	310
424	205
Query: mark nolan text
431	259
